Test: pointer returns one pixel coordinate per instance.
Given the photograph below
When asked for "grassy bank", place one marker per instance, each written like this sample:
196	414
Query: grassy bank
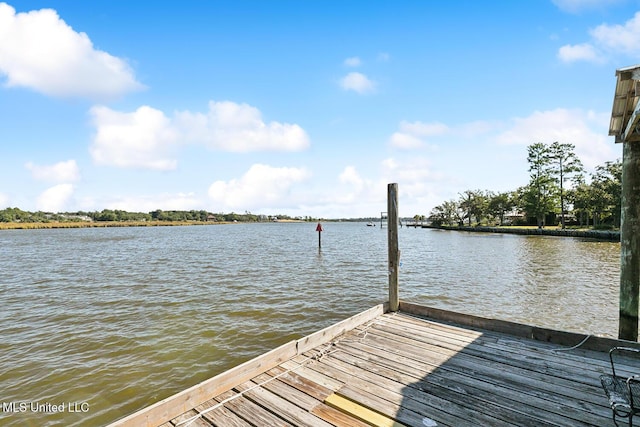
97	224
611	235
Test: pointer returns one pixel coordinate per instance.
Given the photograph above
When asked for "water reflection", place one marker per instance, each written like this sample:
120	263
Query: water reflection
560	283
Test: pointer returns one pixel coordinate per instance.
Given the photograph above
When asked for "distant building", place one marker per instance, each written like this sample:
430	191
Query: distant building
513	217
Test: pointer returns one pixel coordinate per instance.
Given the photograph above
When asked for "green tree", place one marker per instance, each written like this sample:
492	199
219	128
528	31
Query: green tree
447	213
230	217
606	185
14	215
563	163
501	203
474	205
107	215
580	197
540	196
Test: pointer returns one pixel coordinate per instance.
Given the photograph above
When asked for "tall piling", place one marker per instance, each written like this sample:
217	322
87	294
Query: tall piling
392	241
630	242
625	126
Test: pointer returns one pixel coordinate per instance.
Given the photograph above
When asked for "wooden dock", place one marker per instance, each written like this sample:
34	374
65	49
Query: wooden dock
415	367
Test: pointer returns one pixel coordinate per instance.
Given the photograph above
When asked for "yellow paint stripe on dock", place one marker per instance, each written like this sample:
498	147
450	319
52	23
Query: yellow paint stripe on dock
360	412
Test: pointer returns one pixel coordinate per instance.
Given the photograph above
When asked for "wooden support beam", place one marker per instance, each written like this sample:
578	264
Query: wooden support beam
625	126
392	239
630	132
630	242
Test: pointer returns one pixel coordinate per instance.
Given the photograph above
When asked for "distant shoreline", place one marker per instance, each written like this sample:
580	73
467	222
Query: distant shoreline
609	235
104	224
97	224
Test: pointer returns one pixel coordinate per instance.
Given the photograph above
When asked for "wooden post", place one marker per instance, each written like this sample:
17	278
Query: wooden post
392	241
630	242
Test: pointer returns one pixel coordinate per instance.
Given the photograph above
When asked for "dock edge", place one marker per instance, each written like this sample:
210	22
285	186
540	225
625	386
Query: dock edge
181	402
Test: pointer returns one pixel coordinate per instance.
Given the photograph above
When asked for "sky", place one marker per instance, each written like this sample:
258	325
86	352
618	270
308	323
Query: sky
299	108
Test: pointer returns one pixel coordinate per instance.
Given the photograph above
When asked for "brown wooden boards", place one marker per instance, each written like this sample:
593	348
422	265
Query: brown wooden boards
360	412
449	370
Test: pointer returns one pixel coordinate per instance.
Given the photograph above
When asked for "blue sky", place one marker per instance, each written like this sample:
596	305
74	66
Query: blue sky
298	107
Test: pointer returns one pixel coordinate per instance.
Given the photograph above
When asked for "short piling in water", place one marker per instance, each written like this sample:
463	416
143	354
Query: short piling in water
319	230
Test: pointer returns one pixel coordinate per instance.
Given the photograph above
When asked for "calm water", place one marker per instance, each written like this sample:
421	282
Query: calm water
106	321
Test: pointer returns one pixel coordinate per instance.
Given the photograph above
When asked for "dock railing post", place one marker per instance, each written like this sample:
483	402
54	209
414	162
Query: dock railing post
625	126
392	239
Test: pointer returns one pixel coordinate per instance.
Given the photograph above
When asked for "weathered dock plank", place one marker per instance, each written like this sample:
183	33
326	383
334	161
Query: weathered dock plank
219	415
189	417
405	369
495	361
471	382
285	409
253	413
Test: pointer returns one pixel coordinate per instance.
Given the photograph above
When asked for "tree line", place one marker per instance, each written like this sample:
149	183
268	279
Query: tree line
557	193
116	215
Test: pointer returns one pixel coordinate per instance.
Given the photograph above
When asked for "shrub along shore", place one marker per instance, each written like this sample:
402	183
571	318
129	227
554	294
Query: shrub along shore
610	235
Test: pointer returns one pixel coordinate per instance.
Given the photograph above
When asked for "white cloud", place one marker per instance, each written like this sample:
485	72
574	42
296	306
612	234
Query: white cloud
350	190
408	171
239	128
4	201
576	6
142	139
606	40
147	138
411	135
423	129
357	82
55	199
362	193
462	152
477	128
262	186
417	184
350	176
619	38
38	50
416	135
353	61
579	52
165	201
384	57
587	130
61	172
353	189
405	141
